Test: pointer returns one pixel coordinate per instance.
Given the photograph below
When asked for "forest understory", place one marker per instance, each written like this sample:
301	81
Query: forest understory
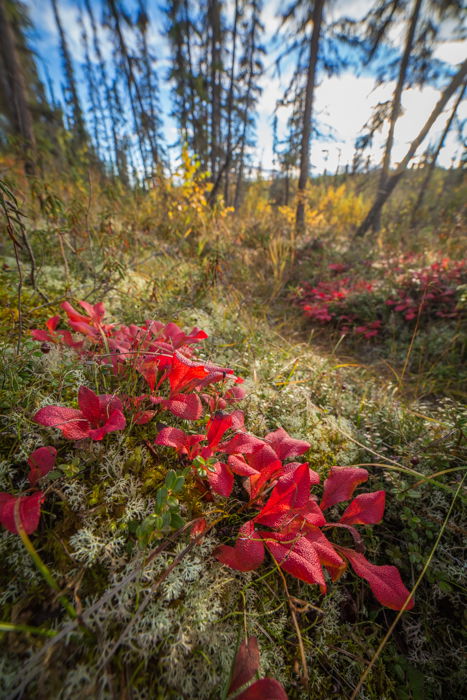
233	296
120	589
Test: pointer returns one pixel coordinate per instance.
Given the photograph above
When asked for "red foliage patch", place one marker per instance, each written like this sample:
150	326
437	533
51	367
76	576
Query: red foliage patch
284	517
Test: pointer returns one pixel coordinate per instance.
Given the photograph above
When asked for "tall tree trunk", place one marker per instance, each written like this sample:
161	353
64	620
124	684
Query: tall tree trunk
92	88
396	102
243	138
308	113
431	167
16	93
151	125
77	114
392	181
107	111
215	26
130	81
228	157
199	145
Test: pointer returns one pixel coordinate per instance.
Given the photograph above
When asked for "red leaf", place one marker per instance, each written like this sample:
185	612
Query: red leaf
198	527
88	402
174	437
221	481
29	511
52	323
96	312
258	480
149	370
248	552
186	406
246	664
239	466
108	403
236	393
291	467
297	556
143	417
42	336
264	689
184	371
312	513
365	509
286	446
116	421
325	550
242	443
385	581
69	420
41	462
340	484
262	458
293	491
217	426
72	314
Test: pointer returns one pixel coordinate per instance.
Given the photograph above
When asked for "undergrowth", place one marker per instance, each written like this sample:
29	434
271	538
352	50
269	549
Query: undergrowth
144	632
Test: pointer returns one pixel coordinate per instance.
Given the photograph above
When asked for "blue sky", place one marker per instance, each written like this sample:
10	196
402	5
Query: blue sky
343	102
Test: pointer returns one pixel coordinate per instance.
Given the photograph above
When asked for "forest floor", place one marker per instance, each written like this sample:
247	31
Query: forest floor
158	615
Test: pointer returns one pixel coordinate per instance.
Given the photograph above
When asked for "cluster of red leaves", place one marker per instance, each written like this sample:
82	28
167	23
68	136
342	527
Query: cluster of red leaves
430	292
284	517
426	293
280	500
160	353
325	302
96	416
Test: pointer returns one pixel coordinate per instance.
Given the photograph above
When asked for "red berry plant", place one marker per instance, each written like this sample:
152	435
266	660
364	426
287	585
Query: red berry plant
356	305
265	483
430	292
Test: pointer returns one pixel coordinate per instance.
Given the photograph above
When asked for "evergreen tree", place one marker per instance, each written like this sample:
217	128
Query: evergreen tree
74	112
14	97
251	69
457	80
423	21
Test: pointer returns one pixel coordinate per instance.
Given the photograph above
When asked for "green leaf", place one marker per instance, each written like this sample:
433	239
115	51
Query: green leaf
170	479
54	474
179	484
161	497
176	521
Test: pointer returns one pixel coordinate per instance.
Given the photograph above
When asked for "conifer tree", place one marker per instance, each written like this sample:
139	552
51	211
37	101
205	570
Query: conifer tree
14	95
72	101
252	68
423	21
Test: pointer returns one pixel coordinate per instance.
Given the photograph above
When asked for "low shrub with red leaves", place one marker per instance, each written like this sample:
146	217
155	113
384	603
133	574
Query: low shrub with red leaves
421	294
430	292
282	516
